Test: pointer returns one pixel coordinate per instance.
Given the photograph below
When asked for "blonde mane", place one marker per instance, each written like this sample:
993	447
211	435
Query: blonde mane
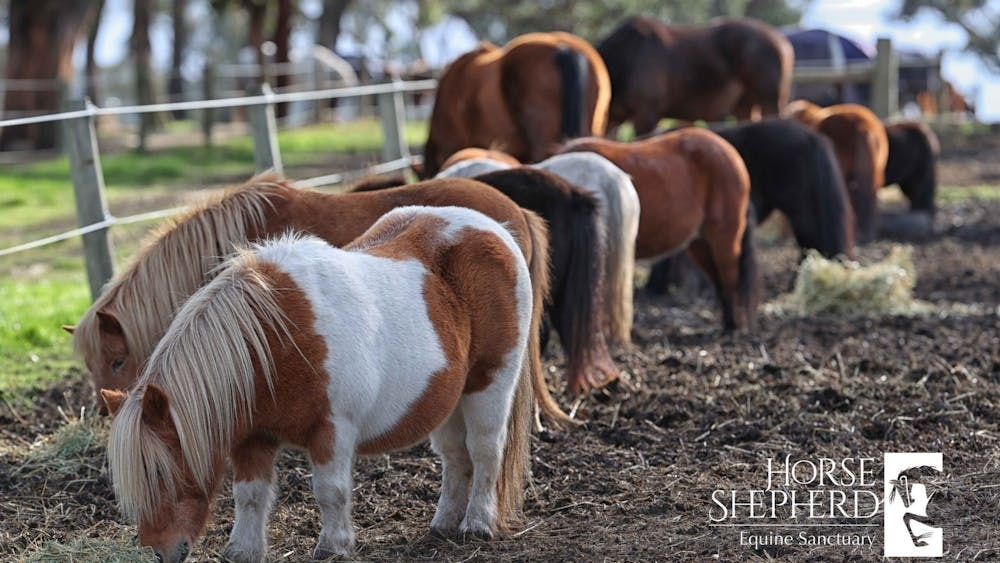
205	364
174	262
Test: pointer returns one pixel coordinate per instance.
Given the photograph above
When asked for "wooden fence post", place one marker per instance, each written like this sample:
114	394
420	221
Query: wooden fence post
392	112
88	188
264	127
885	80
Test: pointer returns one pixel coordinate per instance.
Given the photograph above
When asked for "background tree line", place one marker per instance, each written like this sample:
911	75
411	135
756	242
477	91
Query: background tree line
42	35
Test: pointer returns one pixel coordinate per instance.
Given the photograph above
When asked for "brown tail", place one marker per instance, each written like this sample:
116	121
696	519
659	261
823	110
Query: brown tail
538	268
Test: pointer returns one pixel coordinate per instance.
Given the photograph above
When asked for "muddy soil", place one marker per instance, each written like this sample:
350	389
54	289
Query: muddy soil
699	411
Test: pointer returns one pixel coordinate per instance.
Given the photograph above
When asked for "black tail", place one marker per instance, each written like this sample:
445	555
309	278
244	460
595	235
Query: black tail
750	282
572	67
834	216
577	253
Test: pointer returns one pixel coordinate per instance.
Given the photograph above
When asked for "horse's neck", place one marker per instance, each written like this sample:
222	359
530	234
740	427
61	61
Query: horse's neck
335	218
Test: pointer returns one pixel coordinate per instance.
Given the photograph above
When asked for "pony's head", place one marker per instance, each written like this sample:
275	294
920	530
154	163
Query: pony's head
155	486
119	331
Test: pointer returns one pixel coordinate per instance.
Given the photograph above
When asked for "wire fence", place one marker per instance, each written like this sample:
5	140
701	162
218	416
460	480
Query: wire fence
88	179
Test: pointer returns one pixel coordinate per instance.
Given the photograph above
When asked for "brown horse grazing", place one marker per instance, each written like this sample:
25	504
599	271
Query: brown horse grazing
525	98
733	67
862	149
913	154
118	333
577	254
694	192
418	327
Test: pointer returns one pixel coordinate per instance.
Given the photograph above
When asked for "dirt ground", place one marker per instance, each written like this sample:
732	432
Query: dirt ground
700	412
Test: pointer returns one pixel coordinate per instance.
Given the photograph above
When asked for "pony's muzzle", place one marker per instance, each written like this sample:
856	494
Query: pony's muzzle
181	552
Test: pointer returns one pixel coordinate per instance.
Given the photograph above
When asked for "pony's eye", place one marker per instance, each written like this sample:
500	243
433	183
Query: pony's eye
117	364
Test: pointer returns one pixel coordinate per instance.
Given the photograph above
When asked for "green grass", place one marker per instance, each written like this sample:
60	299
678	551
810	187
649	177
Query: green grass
34	349
959	193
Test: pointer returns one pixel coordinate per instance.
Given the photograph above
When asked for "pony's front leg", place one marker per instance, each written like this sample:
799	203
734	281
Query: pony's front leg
253	494
456	470
332	486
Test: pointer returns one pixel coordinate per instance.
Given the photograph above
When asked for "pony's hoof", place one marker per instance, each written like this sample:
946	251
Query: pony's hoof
236	554
444	532
477	534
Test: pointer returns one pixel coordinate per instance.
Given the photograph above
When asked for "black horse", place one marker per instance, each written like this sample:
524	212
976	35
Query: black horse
792	170
913	153
577	250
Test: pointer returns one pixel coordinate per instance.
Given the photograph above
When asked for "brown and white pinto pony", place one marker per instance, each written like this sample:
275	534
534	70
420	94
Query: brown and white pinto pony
526	98
694	193
862	148
619	213
118	332
419	327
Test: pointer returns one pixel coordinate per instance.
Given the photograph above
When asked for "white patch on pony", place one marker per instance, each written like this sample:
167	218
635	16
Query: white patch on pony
355	296
253	500
471	168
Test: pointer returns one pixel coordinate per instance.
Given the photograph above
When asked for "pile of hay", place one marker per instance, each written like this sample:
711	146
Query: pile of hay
843	287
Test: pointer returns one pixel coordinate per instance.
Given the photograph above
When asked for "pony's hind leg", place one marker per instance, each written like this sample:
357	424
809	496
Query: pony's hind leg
485	413
724	277
456	471
253	494
332	484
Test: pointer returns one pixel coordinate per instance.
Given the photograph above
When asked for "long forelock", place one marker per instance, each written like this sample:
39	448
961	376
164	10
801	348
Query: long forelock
206	365
174	262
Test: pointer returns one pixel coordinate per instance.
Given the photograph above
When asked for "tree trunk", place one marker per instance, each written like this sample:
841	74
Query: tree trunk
329	22
257	18
42	36
142	12
175	86
282	32
91	65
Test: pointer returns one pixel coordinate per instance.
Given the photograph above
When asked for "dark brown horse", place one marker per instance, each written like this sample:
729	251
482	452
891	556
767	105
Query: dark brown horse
862	149
525	98
733	67
913	153
694	193
577	252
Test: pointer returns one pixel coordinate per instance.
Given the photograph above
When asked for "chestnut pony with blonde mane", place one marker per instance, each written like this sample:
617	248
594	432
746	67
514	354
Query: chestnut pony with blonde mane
694	193
419	327
119	331
526	98
862	149
619	212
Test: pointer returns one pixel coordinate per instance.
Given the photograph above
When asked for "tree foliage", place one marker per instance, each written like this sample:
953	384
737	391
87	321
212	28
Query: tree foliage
979	18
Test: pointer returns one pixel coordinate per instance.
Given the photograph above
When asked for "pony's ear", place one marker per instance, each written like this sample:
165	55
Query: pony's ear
113	399
69	328
418	169
155	406
108	323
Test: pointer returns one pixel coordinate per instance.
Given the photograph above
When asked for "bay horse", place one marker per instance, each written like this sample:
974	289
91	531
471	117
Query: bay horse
913	154
619	212
793	170
739	67
577	253
862	149
418	327
116	335
694	193
526	98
